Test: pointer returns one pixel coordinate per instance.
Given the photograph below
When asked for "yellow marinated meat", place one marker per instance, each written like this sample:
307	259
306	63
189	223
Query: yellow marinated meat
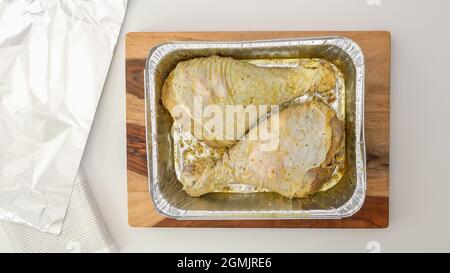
222	81
307	138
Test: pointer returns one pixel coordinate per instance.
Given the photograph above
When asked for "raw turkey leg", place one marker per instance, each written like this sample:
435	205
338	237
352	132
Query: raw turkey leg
225	81
309	136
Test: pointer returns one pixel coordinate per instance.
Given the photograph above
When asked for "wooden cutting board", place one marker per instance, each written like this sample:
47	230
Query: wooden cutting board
375	211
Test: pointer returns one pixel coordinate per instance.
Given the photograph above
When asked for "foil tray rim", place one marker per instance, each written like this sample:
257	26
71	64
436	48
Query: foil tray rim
161	205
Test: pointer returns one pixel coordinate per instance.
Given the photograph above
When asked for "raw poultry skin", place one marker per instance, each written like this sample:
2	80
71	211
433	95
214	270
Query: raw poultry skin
309	136
225	81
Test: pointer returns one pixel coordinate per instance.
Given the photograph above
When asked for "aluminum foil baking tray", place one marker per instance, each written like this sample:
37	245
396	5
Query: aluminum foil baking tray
342	200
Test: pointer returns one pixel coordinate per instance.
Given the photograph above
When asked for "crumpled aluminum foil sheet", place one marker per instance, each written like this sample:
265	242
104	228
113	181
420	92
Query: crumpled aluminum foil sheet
83	231
54	58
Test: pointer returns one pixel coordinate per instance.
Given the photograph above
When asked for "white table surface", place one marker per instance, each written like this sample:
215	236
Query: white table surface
420	126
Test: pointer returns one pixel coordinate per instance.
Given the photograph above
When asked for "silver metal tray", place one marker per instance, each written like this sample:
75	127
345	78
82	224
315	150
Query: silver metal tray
342	200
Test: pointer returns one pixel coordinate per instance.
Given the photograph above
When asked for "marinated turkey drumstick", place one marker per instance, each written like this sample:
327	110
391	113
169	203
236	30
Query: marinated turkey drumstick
225	81
309	136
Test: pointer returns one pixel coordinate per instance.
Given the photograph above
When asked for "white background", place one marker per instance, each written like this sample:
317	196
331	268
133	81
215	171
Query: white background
420	123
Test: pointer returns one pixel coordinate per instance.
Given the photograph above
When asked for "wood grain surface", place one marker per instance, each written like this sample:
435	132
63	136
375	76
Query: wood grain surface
377	53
